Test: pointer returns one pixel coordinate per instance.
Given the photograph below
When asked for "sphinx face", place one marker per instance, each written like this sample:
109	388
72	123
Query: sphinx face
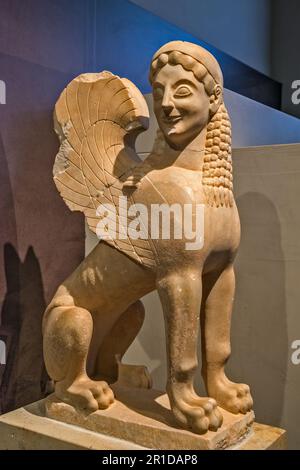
181	105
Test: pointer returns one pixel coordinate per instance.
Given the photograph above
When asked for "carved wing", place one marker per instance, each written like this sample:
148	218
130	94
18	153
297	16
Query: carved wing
97	118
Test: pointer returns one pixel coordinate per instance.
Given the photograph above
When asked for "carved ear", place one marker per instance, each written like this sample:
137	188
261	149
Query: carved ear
216	99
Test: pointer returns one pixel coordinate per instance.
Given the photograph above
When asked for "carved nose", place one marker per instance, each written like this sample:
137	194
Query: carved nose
167	109
167	106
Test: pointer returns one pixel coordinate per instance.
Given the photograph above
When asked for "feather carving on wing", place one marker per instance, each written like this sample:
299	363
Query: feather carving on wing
97	118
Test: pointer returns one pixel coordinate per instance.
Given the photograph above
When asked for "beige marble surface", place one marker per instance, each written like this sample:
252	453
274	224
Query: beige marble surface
28	429
145	418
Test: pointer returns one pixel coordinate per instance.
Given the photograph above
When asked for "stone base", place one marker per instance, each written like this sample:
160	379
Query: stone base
142	420
28	428
144	417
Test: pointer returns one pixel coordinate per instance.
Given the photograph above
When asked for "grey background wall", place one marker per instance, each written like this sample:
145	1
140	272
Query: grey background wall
264	34
285	49
241	28
266	312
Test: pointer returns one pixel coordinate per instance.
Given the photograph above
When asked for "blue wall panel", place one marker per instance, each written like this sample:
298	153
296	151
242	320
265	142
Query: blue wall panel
126	37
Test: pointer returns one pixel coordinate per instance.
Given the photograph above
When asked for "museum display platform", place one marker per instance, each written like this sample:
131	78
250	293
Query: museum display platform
141	420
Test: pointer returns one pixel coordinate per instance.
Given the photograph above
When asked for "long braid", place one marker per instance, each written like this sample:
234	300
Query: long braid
217	166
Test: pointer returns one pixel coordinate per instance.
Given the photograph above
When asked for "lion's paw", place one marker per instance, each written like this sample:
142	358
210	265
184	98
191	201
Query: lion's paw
233	397
195	413
86	394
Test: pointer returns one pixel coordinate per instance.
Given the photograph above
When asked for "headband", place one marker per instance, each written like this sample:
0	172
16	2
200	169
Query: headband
196	52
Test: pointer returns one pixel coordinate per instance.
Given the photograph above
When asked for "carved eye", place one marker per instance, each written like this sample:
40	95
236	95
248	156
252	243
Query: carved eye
182	91
158	93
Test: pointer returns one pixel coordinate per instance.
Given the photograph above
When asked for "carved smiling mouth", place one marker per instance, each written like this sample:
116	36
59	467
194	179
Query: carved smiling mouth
171	119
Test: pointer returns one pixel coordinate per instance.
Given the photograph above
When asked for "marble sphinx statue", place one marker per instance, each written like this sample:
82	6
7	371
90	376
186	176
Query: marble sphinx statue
96	312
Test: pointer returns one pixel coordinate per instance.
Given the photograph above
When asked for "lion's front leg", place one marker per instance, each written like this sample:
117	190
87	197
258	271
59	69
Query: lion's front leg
216	321
180	294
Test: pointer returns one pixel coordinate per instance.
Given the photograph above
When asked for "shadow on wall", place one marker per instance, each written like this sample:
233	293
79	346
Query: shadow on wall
24	377
36	217
8	230
259	326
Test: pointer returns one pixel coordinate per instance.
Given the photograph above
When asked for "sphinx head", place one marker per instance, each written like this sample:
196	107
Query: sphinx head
187	90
